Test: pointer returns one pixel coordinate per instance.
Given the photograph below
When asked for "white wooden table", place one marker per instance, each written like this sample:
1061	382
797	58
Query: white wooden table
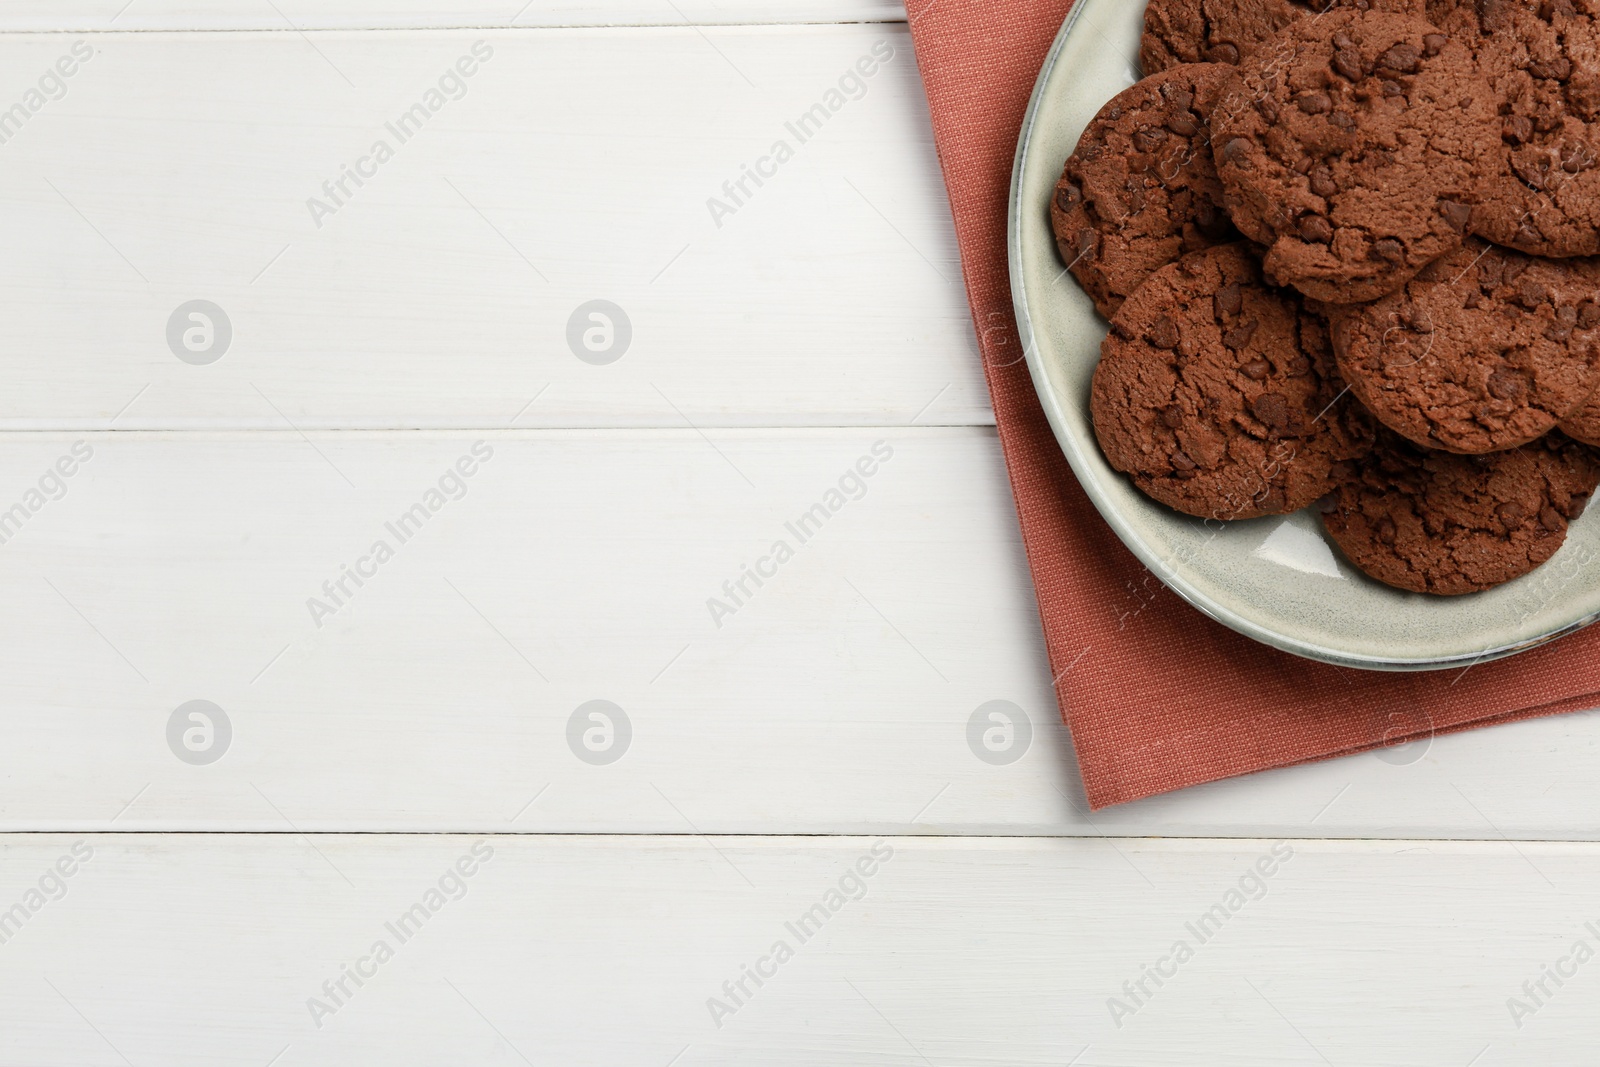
398	831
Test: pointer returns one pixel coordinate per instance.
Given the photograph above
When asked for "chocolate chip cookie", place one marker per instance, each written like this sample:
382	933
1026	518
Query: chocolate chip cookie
1437	522
1485	350
1218	395
1542	60
1356	151
1141	189
1226	31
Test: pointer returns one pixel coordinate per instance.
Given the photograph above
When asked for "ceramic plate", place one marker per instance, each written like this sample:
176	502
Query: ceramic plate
1277	580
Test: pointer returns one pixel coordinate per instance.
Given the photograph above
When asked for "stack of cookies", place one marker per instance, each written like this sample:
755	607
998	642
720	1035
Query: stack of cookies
1350	253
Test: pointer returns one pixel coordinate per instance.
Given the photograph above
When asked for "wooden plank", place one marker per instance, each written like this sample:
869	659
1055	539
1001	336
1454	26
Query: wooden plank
204	950
455	283
577	566
836	696
100	15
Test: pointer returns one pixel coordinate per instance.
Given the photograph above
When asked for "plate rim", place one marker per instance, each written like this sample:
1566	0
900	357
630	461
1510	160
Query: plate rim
1171	576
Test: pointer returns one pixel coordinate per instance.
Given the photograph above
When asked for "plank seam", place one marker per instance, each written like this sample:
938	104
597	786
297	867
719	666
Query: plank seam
449	28
689	838
982	429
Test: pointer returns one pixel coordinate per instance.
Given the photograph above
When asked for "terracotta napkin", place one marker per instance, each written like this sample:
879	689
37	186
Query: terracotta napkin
1157	696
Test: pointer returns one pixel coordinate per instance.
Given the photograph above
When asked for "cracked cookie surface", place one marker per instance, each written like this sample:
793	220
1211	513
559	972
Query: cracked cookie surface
1141	187
1446	524
1226	31
1355	151
1218	396
1487	349
1584	424
1542	61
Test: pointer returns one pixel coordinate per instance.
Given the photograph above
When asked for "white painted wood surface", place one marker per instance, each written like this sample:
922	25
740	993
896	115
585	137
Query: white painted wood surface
580	565
106	15
202	950
576	165
769	356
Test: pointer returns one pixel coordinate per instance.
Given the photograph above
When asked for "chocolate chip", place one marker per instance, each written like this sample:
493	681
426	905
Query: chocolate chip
1512	514
1551	519
1239	337
1530	294
1328	504
1299	365
1551	10
1183	124
1393	89
1347	63
1236	150
1559	68
1256	370
1384	530
1560	330
1322	183
1164	333
1177	96
1506	384
1516	129
1272	409
1182	462
1457	215
1341	40
1403	57
1172	416
1316	103
1229	299
1588	315
1434	43
1389	249
1223	53
1067	196
1150	139
1316	229
1211	222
